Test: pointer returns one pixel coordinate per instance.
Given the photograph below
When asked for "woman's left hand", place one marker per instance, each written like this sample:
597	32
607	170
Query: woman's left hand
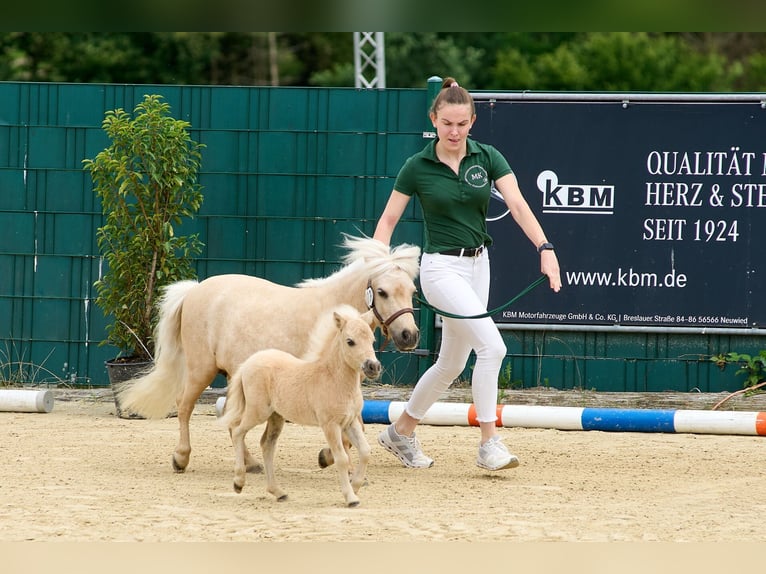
549	265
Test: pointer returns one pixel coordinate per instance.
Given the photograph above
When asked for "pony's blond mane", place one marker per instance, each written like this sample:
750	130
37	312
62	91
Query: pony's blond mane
373	256
325	330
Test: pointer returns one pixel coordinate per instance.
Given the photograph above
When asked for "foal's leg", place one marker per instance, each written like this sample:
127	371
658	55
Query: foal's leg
325	457
268	446
355	434
251	464
333	434
238	433
251	416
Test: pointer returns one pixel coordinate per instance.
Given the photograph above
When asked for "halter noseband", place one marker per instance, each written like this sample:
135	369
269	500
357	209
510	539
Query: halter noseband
369	295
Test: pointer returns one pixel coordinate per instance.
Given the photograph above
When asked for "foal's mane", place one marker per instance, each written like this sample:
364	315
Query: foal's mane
365	254
325	330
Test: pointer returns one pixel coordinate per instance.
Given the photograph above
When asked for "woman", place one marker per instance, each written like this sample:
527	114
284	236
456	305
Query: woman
452	178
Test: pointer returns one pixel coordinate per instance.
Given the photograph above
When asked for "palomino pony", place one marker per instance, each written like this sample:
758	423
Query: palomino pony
322	389
213	326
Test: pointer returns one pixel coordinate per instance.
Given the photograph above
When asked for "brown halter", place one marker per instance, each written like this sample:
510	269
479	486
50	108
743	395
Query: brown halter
369	297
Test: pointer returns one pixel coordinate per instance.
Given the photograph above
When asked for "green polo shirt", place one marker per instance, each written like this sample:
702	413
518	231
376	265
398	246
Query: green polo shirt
454	205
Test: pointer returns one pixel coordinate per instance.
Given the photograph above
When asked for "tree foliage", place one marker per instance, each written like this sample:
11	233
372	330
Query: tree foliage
146	180
592	61
618	61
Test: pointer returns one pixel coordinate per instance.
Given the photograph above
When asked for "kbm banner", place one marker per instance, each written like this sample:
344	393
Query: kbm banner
657	212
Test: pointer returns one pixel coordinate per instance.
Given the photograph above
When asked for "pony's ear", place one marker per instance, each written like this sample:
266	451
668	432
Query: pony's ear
340	320
370	318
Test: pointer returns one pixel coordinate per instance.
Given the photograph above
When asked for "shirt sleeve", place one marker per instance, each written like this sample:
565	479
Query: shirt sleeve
499	166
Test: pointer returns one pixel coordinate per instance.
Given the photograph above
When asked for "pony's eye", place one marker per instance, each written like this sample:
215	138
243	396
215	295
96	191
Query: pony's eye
382	293
350	342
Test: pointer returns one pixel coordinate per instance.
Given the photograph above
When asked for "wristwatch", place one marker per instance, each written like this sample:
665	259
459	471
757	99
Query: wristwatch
545	246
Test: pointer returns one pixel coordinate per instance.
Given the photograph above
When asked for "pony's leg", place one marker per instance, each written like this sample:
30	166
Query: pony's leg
333	434
357	438
192	389
268	446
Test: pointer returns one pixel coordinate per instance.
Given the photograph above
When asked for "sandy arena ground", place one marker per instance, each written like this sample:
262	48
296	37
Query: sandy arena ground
80	473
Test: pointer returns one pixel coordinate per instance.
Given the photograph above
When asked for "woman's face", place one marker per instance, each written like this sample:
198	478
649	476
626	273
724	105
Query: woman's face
452	123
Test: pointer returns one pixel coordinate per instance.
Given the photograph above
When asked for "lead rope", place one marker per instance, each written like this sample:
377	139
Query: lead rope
523	292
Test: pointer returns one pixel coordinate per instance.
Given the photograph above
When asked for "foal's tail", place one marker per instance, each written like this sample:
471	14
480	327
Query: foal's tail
154	394
234	406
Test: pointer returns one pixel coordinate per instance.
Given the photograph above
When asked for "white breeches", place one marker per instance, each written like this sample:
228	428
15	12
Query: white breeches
460	285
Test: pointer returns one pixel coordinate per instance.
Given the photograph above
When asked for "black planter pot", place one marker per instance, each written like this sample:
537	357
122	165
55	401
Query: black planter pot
121	370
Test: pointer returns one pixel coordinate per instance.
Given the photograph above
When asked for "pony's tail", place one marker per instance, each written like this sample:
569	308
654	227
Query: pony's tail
154	394
234	406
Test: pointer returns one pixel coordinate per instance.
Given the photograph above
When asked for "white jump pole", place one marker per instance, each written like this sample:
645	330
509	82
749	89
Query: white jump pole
26	401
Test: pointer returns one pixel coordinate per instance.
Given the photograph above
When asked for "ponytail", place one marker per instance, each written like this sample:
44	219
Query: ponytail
451	93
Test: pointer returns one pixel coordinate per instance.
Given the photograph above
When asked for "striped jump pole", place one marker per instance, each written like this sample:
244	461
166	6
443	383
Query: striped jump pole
581	418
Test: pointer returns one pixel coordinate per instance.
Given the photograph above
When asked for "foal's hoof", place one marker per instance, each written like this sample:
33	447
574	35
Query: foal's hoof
237	488
325	458
255	468
282	498
353	504
177	467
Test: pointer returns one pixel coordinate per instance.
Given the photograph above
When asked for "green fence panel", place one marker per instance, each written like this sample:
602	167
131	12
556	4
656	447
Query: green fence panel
65	191
67	233
12	196
46	145
231	238
17	231
285	172
51	319
12	145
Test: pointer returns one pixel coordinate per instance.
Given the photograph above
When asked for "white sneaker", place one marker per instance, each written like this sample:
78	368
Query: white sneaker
494	456
406	448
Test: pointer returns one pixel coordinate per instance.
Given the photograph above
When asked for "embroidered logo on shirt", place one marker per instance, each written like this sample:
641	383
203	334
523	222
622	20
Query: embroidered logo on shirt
476	176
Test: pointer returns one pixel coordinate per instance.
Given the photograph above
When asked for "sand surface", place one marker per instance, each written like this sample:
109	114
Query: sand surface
79	473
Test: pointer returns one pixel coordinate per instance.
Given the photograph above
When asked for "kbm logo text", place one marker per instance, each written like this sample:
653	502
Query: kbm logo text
571	198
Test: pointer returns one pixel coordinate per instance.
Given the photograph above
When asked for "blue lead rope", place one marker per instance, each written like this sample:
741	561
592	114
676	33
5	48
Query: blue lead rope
523	292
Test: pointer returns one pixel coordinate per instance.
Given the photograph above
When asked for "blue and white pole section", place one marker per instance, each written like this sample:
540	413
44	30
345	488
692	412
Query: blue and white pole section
580	418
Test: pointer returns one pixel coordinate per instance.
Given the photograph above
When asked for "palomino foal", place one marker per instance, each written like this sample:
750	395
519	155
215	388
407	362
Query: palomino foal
321	389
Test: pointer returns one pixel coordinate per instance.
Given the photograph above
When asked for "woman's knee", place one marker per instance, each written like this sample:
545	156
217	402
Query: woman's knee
447	370
494	351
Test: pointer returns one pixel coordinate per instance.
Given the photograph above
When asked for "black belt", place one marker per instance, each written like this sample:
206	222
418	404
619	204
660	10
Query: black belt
465	251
